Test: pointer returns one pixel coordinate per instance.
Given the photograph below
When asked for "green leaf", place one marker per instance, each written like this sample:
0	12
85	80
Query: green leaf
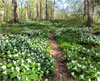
5	77
13	75
9	65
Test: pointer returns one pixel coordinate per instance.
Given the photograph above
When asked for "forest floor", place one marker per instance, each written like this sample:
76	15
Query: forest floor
60	71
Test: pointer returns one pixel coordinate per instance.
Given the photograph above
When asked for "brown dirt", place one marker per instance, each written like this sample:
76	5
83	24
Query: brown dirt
0	34
60	71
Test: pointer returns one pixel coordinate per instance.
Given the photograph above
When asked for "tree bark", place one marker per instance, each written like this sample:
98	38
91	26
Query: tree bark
40	9
37	11
46	9
26	10
85	9
2	11
90	13
54	9
14	7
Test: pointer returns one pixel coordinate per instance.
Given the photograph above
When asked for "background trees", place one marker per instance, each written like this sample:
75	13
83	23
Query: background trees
18	10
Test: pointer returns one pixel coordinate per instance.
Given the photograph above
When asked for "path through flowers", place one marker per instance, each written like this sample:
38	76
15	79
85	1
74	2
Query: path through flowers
60	70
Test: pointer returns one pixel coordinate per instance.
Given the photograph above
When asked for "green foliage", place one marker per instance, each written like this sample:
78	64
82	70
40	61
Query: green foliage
25	56
71	22
81	52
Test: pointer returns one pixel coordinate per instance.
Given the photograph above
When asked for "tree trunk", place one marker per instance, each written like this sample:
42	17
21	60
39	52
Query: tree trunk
2	11
85	9
26	10
54	9
46	10
37	11
7	11
40	9
14	7
90	13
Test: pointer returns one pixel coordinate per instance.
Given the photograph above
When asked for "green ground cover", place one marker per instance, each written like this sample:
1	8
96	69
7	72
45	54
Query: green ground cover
24	55
81	49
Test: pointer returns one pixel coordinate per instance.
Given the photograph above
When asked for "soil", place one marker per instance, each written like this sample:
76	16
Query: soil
61	73
0	34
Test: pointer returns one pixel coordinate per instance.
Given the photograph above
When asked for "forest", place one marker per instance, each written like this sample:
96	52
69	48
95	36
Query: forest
49	40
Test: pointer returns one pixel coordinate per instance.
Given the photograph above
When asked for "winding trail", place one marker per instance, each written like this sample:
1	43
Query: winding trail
60	71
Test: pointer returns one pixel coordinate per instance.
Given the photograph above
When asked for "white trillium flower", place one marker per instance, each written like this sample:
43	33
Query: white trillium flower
29	61
16	55
38	64
0	63
3	67
12	68
46	79
26	78
98	79
82	76
17	68
72	73
5	72
14	62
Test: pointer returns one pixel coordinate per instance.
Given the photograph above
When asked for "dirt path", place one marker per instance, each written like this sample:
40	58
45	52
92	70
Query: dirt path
0	34
60	70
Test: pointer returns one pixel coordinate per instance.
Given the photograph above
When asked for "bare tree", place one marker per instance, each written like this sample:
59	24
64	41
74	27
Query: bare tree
14	7
26	10
37	11
46	9
85	8
2	11
89	13
40	9
54	9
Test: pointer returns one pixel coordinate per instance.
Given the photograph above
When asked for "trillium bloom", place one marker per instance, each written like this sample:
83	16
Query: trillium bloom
17	68
26	78
0	63
82	76
3	67
46	79
98	79
12	68
38	64
29	61
14	62
16	55
5	72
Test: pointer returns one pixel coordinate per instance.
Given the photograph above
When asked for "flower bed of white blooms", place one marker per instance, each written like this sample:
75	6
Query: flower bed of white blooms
85	35
35	32
24	59
83	63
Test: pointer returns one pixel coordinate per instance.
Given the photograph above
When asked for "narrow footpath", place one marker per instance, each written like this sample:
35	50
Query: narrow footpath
60	71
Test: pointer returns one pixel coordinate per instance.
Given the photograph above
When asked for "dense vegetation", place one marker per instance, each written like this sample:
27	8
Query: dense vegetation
35	33
25	54
81	49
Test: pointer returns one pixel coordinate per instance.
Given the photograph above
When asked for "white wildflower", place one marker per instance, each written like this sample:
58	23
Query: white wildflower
5	72
3	67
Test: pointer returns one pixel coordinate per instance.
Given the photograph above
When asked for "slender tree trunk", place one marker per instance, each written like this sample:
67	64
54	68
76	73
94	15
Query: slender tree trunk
54	9
26	11
14	7
7	11
85	9
46	9
37	11
90	13
30	12
40	9
21	11
2	11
